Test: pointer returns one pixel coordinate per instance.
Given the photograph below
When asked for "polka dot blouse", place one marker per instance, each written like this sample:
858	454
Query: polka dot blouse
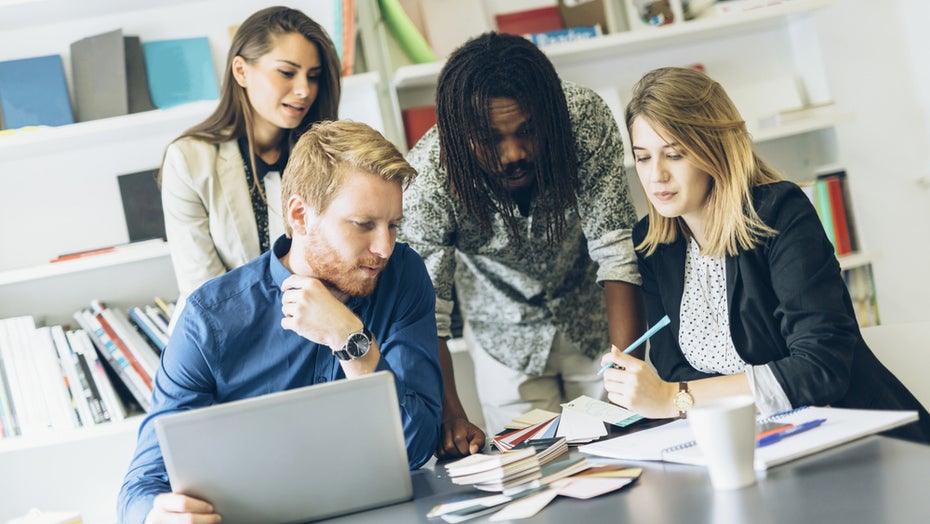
704	334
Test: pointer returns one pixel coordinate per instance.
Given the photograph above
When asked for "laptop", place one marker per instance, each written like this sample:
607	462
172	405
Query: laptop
300	455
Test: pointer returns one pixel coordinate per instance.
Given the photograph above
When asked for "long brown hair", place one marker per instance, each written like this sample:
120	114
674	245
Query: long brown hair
688	107
234	115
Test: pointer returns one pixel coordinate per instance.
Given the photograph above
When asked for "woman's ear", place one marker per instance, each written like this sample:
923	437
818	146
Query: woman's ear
239	71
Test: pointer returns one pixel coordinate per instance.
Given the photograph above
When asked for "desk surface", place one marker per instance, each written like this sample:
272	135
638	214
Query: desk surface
873	480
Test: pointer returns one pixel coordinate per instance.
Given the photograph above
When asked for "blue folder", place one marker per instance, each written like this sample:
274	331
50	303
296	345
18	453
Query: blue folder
180	71
33	92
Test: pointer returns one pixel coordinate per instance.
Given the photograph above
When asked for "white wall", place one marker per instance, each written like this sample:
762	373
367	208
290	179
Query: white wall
877	59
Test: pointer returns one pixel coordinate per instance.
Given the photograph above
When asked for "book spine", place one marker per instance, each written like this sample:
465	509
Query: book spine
159	319
35	415
67	358
114	356
97	375
838	208
58	402
107	326
824	210
98	410
144	353
11	390
153	335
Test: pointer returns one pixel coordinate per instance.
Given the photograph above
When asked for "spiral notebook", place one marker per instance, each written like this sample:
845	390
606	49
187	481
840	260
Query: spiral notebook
674	442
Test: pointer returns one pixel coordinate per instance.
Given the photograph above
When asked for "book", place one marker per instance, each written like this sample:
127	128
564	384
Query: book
674	442
579	13
114	356
824	209
106	398
153	334
81	392
142	208
137	79
7	412
346	41
560	36
54	385
180	71
527	21
417	121
139	354
98	71
480	462
33	92
838	209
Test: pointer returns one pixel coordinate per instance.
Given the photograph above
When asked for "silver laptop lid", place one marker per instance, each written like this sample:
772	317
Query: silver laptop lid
294	456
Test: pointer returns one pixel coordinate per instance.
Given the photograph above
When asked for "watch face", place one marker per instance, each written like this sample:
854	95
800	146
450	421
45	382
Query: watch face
358	344
683	401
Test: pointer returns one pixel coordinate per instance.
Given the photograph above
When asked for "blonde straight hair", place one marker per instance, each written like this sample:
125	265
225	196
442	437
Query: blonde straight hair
323	155
688	107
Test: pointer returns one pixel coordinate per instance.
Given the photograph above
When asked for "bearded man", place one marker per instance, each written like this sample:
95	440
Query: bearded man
336	297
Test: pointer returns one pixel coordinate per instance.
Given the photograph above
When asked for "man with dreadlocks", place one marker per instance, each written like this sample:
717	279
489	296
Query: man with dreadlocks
521	198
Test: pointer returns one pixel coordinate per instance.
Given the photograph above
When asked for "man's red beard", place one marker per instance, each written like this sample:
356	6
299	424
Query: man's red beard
345	276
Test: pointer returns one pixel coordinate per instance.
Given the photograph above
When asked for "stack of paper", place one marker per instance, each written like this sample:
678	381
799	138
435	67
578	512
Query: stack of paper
495	472
573	477
519	432
547	449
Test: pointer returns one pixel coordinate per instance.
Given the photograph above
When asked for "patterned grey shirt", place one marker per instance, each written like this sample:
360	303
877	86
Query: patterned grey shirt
517	295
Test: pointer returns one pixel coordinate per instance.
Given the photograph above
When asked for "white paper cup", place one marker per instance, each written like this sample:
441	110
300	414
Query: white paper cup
725	431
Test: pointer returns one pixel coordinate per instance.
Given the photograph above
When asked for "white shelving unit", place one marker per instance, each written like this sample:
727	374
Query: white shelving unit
61	196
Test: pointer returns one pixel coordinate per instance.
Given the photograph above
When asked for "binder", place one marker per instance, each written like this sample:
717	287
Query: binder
33	92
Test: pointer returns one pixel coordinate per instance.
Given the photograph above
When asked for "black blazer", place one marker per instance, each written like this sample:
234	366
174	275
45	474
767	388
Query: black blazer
788	307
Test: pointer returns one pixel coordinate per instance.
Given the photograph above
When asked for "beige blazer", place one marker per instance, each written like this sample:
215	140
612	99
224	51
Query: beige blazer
209	219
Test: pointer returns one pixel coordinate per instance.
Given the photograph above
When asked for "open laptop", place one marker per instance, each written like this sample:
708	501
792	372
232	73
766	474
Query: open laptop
294	456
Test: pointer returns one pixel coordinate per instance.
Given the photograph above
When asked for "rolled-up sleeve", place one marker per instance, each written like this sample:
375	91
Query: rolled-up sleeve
604	202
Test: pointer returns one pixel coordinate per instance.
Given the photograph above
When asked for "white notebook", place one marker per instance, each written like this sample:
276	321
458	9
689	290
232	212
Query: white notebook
674	442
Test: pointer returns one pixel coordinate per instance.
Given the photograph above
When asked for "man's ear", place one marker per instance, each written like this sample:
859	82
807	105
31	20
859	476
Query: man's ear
299	215
238	71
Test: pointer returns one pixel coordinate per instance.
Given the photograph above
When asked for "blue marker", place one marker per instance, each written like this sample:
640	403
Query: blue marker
652	331
776	437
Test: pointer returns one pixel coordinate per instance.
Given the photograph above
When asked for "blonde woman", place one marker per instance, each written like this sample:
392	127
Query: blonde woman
739	261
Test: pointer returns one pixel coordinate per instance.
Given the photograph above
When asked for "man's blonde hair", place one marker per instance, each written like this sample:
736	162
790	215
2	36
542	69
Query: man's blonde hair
320	159
687	107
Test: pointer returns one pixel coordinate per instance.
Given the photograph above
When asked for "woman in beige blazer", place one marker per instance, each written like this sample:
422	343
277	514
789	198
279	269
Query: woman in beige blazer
220	180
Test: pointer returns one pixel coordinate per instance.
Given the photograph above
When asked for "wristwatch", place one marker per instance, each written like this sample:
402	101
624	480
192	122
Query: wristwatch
683	400
356	346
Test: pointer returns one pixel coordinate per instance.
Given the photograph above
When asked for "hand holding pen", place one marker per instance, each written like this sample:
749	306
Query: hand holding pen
636	343
632	383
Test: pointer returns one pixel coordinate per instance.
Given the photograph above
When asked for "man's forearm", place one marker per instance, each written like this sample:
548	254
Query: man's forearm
625	314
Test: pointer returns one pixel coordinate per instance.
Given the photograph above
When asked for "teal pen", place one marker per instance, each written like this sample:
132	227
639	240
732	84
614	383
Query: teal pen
652	331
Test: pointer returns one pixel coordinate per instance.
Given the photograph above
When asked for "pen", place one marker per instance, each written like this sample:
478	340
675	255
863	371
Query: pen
800	428
652	331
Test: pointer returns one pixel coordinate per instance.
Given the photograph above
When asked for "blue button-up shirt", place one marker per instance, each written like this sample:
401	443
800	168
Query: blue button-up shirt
228	345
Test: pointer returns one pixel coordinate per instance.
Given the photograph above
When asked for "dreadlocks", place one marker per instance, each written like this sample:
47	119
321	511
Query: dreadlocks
491	66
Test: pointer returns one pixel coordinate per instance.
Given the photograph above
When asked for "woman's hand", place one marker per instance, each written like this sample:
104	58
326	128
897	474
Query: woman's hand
634	385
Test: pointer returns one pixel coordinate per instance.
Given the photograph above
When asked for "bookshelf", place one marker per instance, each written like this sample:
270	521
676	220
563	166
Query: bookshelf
61	196
768	59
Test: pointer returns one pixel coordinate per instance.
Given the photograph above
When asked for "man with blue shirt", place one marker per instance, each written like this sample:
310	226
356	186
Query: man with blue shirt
335	298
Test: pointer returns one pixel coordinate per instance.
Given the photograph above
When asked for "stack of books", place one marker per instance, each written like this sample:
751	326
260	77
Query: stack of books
496	472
